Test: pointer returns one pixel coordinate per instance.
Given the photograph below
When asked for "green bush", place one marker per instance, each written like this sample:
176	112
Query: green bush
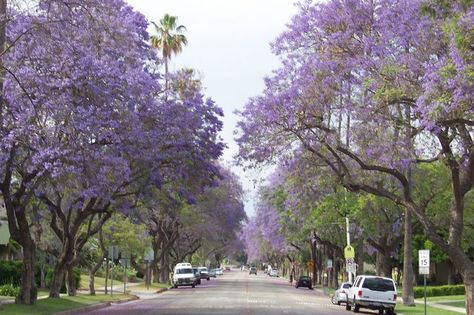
9	290
10	272
49	278
439	290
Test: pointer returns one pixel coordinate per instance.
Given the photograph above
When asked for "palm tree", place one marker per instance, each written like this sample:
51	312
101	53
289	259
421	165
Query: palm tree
168	39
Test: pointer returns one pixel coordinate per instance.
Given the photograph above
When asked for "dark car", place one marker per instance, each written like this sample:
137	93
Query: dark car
304	281
197	274
253	270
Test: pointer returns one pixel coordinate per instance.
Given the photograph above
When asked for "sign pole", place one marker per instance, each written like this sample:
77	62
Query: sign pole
424	283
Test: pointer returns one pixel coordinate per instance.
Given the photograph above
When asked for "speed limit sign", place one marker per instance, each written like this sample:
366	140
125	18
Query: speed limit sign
424	261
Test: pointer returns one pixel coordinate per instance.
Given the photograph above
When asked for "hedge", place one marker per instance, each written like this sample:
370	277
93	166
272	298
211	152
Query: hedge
10	272
9	290
439	290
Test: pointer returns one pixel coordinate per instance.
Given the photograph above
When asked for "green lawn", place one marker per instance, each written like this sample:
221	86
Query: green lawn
98	282
49	306
419	310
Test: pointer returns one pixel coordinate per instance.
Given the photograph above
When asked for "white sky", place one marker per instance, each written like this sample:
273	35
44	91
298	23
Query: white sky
228	43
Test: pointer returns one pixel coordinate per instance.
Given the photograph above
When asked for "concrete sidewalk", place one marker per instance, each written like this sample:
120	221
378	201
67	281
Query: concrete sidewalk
442	306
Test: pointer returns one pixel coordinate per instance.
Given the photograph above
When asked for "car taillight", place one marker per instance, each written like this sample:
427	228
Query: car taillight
359	293
394	297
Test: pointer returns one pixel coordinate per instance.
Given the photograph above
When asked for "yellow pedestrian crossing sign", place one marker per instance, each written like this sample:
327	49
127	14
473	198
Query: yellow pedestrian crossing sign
349	252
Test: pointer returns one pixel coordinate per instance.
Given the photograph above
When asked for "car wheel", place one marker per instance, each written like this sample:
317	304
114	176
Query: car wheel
348	307
296	286
381	311
208	279
193	285
390	311
175	286
356	307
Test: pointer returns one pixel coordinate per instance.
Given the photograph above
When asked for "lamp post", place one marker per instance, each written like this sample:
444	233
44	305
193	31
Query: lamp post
348	245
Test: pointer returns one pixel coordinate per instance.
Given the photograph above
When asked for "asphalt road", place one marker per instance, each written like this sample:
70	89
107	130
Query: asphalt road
235	292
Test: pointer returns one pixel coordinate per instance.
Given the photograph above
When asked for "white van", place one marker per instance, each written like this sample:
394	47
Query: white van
183	274
372	292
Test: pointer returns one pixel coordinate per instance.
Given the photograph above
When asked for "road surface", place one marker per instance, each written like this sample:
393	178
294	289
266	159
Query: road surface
234	293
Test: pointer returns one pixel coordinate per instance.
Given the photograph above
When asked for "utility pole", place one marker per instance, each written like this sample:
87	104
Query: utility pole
348	244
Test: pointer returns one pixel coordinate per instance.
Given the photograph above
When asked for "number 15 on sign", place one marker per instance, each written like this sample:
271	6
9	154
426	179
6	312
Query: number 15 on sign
424	261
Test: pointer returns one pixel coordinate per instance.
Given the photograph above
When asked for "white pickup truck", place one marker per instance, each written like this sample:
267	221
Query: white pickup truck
372	292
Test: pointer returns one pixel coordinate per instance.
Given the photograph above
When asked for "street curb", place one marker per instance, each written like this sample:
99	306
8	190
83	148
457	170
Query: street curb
94	307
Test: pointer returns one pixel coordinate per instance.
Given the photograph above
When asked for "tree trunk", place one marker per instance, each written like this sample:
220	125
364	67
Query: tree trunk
359	257
335	270
383	264
28	290
70	281
57	281
92	273
408	294
469	285
313	258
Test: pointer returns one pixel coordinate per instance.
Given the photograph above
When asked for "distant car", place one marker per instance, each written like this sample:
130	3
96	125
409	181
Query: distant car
304	281
274	273
372	292
227	268
253	270
340	295
197	275
219	272
212	273
204	273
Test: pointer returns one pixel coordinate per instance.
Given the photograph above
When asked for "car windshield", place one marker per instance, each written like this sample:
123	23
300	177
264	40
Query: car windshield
346	285
253	268
183	271
378	284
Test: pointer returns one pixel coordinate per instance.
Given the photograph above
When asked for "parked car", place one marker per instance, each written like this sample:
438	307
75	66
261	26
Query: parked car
183	274
219	272
340	295
304	281
227	268
274	273
212	273
197	274
204	273
253	270
372	292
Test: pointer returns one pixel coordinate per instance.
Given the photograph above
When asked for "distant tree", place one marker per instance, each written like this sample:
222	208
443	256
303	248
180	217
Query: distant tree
168	39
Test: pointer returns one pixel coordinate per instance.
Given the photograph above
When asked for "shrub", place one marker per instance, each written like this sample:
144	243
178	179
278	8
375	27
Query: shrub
49	278
9	290
439	290
10	272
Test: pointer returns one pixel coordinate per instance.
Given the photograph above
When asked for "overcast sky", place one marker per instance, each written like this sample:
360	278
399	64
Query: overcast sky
228	43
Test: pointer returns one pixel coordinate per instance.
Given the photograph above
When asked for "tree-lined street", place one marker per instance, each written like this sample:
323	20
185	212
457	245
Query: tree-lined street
234	293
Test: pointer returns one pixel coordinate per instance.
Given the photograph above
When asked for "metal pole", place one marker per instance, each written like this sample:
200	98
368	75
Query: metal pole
348	243
112	281
147	276
424	283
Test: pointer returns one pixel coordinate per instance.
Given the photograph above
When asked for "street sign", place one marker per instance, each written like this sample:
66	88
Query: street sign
149	255
349	252
113	252
424	261
350	265
329	264
4	233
